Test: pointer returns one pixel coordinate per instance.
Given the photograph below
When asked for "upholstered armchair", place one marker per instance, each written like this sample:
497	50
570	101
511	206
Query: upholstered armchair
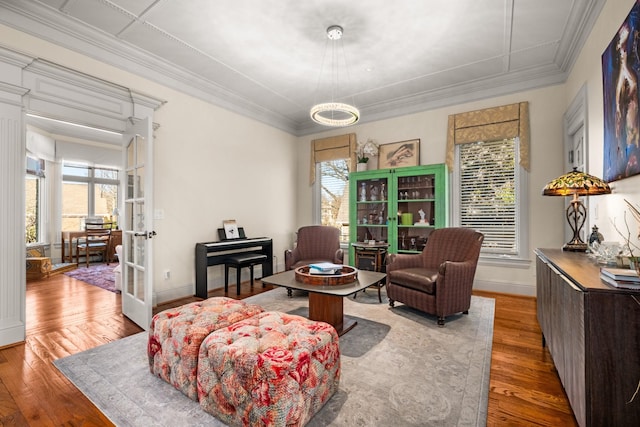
316	243
439	280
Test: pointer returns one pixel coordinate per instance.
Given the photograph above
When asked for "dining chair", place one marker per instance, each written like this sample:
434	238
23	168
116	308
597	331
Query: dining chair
96	241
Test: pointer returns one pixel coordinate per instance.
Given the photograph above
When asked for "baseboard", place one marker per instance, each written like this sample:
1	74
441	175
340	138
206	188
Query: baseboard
11	332
481	285
505	288
173	294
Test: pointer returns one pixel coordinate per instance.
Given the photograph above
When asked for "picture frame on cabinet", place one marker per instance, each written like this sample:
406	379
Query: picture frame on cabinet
399	154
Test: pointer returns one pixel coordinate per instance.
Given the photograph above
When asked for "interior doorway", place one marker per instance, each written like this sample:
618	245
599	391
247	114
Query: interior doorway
44	94
57	142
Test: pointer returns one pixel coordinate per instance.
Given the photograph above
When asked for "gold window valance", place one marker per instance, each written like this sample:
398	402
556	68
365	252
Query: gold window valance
490	124
333	148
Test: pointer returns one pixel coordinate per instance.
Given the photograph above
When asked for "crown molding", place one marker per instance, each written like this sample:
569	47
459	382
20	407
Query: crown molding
43	22
500	85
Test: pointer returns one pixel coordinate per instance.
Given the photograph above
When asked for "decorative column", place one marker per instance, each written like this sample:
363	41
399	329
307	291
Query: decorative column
12	223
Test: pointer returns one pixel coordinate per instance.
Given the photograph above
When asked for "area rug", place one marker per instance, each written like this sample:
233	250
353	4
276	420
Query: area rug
100	275
398	369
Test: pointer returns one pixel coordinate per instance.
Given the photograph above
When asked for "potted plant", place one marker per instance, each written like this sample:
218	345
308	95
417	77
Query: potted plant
365	150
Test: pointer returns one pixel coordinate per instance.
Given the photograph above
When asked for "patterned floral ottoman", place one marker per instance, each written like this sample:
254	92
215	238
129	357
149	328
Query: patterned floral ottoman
274	369
175	336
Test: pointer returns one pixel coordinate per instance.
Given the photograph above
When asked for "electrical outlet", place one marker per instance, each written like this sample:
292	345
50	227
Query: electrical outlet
167	275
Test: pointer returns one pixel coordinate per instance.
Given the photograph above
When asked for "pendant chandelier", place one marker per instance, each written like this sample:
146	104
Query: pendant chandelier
334	113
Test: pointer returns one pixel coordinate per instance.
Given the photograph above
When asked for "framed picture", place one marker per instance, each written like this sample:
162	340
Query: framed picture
620	76
399	154
230	229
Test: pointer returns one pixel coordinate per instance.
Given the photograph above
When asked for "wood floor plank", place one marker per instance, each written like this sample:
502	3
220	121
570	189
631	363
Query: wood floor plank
66	316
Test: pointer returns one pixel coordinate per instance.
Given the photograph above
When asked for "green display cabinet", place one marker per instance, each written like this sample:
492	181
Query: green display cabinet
400	207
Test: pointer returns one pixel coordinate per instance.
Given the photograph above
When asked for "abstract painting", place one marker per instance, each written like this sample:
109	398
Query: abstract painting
620	74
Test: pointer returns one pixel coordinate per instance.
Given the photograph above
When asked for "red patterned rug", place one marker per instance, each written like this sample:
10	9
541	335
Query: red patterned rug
100	275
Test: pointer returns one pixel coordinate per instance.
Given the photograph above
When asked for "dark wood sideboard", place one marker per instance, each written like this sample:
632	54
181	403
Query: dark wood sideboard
592	331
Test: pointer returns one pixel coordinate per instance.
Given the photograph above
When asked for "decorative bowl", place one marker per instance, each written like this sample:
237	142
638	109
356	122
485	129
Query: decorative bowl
346	275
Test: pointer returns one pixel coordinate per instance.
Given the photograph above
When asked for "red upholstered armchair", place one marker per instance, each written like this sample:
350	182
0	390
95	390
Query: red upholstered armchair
316	243
439	280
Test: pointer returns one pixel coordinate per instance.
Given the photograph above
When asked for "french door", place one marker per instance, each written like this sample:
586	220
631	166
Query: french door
137	234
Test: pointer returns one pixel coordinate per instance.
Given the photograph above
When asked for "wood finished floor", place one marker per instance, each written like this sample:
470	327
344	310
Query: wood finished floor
66	316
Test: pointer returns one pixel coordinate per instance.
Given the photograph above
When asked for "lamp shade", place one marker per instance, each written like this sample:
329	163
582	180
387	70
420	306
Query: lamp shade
576	183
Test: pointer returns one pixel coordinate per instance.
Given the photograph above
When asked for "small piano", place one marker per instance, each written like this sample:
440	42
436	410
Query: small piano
214	253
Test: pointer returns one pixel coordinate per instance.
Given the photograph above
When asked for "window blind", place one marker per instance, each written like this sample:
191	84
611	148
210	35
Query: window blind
488	197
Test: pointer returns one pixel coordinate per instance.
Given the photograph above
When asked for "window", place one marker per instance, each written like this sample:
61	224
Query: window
34	184
87	191
489	187
334	195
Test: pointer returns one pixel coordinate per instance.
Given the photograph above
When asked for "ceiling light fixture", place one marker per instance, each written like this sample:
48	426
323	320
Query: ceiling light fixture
334	113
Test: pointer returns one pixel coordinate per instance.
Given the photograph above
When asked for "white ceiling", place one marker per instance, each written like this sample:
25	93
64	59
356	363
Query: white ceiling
262	58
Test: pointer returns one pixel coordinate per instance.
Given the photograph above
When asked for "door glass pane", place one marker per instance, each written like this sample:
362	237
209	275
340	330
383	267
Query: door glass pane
131	159
130	185
130	280
140	286
372	210
416	211
139	250
128	213
140	182
129	257
141	150
75	203
139	224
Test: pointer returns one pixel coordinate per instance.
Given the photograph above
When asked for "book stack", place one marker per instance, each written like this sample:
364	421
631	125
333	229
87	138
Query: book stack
324	268
620	277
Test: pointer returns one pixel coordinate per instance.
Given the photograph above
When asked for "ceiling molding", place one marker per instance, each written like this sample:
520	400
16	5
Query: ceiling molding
46	23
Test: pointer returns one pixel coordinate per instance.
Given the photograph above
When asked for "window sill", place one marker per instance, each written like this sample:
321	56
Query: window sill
504	261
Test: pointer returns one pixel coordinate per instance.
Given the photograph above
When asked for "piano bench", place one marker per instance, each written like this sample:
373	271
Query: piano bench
238	262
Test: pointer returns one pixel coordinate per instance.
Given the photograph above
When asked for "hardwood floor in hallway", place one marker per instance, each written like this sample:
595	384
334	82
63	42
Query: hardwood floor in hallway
66	316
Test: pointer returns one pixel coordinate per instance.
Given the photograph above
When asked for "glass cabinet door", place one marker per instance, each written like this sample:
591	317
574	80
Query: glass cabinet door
372	209
416	211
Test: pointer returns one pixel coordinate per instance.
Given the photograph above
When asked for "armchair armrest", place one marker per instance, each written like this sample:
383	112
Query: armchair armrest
289	259
453	286
399	261
458	271
339	257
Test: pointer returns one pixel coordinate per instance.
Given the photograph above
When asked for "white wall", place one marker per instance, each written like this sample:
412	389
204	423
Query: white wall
213	165
210	165
603	210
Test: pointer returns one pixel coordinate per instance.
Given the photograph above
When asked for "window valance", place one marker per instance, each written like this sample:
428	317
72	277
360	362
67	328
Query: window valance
490	124
333	148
